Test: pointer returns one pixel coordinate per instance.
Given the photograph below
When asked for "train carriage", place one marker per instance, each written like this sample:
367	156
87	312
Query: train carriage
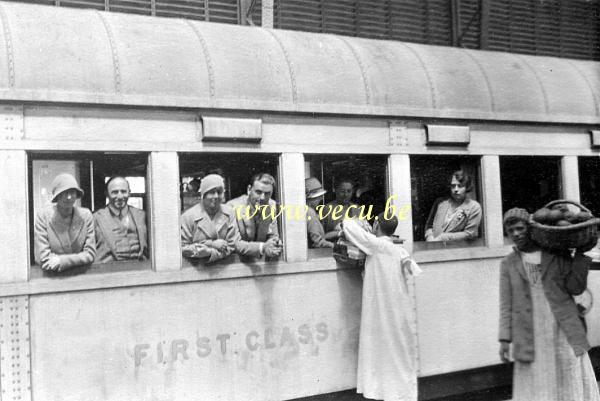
161	100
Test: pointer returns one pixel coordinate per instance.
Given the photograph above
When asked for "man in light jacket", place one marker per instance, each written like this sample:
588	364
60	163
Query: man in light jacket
258	230
120	228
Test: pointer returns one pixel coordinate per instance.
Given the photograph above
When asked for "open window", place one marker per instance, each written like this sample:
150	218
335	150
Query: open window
442	219
349	180
237	171
121	234
589	193
529	182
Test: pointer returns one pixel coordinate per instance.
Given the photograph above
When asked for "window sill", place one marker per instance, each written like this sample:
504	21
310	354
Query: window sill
463	253
133	274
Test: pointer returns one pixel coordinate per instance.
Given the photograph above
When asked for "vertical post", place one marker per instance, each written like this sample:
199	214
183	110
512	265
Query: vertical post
243	7
291	176
163	174
569	171
455	13
14	215
492	200
267	14
399	196
485	24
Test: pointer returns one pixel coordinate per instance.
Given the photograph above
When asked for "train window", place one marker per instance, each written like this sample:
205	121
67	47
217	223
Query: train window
113	187
446	209
589	191
589	183
209	180
529	182
333	185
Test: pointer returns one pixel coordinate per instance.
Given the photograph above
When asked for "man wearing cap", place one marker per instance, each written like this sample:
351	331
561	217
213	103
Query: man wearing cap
64	233
314	196
540	320
208	229
258	230
120	229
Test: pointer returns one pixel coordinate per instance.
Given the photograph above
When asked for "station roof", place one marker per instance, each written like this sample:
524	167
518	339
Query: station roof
56	54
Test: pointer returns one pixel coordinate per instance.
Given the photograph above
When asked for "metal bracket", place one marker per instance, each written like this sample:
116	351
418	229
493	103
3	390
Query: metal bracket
15	361
12	122
398	135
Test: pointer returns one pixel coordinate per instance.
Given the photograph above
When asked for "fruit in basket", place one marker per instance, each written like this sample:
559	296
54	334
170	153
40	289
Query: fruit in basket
561	206
581	217
541	216
560	215
554	216
568	215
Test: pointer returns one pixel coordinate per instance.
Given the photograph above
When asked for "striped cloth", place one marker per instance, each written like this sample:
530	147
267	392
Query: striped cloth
556	374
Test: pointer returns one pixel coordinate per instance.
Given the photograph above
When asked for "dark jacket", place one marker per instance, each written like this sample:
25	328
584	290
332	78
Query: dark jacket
562	277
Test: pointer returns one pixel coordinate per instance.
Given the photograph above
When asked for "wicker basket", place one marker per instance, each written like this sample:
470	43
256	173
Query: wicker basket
580	235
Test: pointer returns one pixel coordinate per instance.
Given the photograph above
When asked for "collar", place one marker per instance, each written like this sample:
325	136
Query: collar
202	213
116	212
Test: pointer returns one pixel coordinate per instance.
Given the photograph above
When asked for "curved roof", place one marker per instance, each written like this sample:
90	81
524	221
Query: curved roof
85	56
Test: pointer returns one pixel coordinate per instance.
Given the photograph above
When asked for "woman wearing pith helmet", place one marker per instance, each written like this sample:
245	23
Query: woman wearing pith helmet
63	232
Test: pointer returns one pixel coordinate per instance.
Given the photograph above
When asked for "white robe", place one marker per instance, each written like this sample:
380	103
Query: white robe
387	368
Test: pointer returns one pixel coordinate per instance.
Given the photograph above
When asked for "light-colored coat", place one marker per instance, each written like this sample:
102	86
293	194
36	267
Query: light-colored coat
198	231
75	244
463	225
106	248
562	277
252	233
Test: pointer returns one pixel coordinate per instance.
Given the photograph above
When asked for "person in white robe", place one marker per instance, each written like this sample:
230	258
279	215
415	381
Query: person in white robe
387	363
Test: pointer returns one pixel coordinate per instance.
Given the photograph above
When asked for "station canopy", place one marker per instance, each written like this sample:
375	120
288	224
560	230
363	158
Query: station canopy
57	54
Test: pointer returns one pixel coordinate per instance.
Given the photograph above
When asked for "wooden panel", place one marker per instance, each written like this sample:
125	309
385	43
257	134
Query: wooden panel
569	169
461	333
291	173
164	210
14	348
231	129
492	201
270	338
399	196
13	216
448	135
223	11
120	126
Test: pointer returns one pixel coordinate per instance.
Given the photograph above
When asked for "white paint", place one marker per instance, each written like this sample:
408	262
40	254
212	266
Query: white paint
291	173
93	125
14	216
569	173
457	309
492	200
87	352
399	194
163	172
